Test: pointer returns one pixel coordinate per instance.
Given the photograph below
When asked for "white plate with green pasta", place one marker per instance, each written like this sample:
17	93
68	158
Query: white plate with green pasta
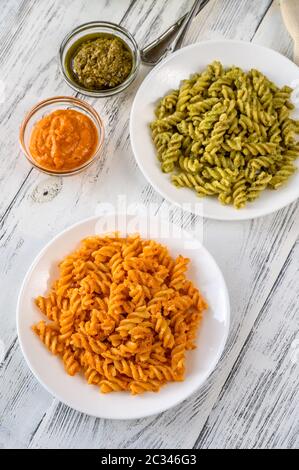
214	129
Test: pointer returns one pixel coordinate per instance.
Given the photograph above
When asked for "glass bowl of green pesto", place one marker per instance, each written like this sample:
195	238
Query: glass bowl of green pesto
99	59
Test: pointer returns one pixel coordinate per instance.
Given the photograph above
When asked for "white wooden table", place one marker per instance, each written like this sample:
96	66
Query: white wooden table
252	399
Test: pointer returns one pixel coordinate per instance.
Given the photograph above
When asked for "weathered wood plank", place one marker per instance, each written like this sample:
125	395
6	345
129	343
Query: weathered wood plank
220	433
256	250
257	265
264	381
29	71
228	20
39	195
19	388
141	437
272	32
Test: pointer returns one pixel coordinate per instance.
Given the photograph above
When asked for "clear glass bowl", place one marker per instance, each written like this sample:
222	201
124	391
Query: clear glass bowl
92	28
46	107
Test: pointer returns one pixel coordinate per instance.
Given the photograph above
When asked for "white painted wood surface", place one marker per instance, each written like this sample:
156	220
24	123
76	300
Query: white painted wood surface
251	400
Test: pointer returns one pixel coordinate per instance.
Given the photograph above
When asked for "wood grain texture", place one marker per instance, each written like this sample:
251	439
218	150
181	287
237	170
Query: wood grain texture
250	399
264	380
54	203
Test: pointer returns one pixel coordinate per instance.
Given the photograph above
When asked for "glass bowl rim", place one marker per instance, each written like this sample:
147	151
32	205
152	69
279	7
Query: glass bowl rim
110	91
67	100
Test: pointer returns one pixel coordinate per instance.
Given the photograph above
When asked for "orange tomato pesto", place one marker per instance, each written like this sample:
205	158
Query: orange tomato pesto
63	140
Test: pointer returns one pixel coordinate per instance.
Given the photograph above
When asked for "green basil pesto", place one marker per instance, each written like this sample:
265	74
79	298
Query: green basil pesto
99	61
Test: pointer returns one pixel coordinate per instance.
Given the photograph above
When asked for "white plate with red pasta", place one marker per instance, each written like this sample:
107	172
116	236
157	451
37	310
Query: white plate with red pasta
139	309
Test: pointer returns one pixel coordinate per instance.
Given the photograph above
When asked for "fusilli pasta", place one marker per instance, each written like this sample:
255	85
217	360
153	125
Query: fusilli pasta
227	133
122	311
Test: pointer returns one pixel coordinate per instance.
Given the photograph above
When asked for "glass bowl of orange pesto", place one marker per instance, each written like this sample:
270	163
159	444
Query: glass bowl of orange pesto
62	135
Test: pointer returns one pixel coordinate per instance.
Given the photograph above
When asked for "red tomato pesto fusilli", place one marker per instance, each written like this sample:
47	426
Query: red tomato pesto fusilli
122	312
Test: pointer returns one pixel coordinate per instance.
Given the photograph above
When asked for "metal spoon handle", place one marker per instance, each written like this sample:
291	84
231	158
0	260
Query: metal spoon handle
153	52
197	6
172	38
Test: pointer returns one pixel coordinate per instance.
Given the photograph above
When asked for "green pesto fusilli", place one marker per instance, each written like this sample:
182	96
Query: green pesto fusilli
227	133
